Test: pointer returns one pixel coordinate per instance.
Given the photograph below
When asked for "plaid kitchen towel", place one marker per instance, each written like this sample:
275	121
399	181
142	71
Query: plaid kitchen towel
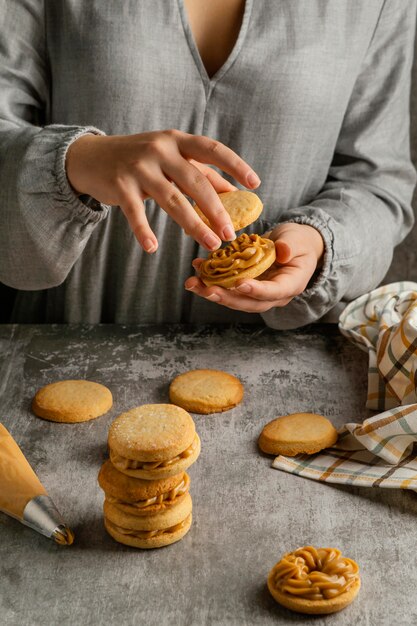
384	323
381	452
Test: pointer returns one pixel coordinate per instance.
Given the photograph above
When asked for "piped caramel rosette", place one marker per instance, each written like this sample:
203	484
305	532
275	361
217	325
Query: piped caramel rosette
248	256
314	580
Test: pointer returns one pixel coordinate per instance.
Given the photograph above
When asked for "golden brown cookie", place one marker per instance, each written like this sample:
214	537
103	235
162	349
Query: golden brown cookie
244	207
142	497
314	580
299	433
248	256
153	441
206	391
149	531
72	401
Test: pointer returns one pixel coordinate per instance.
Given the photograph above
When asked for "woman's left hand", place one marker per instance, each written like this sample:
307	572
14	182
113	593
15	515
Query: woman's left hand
299	251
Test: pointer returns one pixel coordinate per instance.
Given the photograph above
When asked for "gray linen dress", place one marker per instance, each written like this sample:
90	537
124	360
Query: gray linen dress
314	95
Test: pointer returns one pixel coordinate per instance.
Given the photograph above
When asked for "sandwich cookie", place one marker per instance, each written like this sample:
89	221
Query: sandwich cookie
248	256
136	496
206	391
299	433
314	580
72	401
153	441
149	531
244	207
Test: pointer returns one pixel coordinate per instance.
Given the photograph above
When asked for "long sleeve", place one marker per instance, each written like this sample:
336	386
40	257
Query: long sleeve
364	209
44	225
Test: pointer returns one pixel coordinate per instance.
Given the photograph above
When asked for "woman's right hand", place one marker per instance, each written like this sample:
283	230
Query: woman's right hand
123	170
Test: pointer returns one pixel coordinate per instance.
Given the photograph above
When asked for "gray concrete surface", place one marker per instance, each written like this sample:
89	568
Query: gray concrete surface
246	514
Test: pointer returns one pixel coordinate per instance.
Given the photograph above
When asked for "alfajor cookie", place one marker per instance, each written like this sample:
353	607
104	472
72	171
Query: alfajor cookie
248	256
136	496
149	531
244	207
314	580
299	433
206	391
72	401
153	441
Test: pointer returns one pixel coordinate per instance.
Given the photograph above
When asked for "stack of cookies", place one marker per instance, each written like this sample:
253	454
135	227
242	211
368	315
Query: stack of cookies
147	502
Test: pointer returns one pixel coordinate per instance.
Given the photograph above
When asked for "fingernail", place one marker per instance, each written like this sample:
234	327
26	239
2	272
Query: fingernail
253	180
229	233
192	288
213	297
149	245
244	288
211	242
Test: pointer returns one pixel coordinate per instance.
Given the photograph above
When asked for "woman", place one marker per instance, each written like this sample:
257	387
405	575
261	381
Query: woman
102	109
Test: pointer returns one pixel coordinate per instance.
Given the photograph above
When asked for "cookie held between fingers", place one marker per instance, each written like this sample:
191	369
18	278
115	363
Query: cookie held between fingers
248	256
153	441
244	207
142	497
72	401
206	391
314	580
149	531
299	433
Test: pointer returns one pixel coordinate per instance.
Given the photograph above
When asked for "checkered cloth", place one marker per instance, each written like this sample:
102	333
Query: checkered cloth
384	323
377	453
381	452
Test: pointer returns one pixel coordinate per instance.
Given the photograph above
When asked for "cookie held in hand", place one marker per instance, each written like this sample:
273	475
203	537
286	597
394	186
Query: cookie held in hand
299	433
244	207
248	256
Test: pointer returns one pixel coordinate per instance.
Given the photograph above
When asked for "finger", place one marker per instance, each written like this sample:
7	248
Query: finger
196	263
134	211
177	206
196	185
230	298
219	183
285	284
284	252
206	150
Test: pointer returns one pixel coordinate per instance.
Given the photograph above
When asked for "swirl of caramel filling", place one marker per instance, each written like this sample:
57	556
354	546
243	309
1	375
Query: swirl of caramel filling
169	496
242	253
315	573
121	462
146	534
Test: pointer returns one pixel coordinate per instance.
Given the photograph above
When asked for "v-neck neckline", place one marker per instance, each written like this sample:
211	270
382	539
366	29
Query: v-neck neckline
207	81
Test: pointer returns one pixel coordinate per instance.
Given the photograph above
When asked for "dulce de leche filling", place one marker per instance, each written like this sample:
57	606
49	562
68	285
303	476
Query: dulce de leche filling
169	496
146	534
241	254
315	573
122	463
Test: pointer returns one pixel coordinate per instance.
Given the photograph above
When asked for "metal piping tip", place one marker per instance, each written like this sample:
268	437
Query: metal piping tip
42	515
63	536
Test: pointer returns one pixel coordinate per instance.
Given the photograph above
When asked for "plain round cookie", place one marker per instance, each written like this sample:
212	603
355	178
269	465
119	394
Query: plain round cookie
206	391
158	541
154	521
298	433
72	401
152	432
244	207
